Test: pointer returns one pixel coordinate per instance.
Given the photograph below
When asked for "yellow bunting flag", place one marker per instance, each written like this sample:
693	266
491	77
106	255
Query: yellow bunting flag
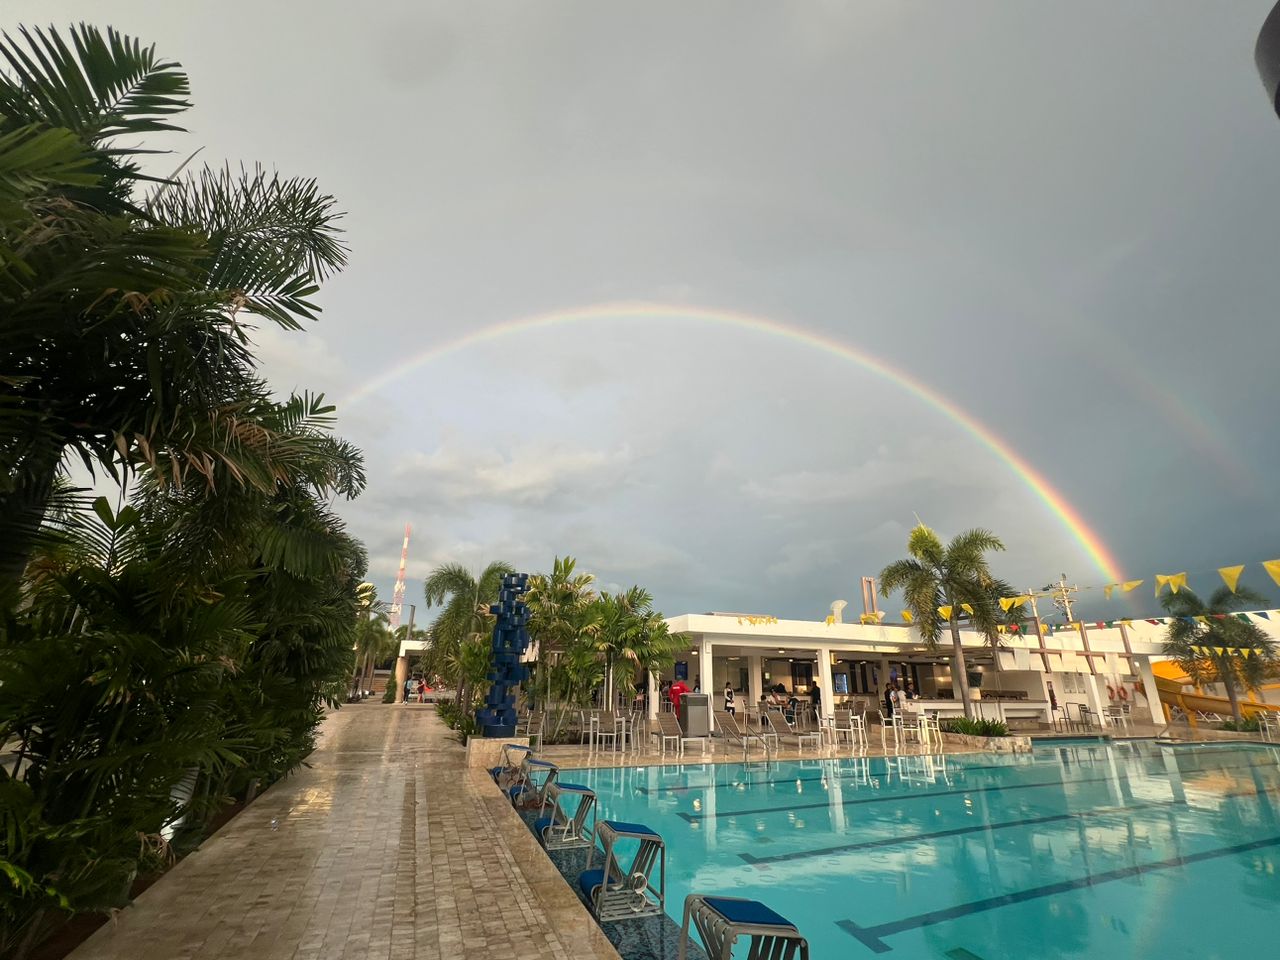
1109	589
1006	603
967	609
1273	569
1220	651
1174	581
945	612
1202	619
1129	585
1231	575
907	616
872	617
1246	651
831	619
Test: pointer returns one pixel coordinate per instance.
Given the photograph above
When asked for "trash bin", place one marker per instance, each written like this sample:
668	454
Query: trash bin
695	714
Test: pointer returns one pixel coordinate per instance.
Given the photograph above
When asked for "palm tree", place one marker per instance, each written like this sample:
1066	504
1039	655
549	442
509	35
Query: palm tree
1236	652
374	641
935	576
560	611
124	338
464	616
632	632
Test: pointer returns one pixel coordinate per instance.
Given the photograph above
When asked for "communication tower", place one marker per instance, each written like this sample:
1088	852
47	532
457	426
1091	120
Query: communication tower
397	598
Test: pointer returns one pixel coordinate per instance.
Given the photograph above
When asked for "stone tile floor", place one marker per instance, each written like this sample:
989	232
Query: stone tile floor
385	847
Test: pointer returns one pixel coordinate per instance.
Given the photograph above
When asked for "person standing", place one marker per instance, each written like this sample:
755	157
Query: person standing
729	706
888	699
815	699
678	690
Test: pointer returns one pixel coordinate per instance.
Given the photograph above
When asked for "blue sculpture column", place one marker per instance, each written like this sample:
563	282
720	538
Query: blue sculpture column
497	718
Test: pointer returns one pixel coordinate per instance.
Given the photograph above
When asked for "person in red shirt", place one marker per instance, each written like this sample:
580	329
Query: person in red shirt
678	690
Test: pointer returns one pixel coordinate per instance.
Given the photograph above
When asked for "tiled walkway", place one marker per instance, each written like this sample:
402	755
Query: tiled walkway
384	848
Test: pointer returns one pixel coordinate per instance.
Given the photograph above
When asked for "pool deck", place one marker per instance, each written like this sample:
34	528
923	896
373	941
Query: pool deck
385	846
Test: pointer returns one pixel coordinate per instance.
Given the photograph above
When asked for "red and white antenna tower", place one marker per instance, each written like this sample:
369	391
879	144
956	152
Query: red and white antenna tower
397	598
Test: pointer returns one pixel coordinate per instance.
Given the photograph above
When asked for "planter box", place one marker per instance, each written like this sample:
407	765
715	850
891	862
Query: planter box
1010	744
486	752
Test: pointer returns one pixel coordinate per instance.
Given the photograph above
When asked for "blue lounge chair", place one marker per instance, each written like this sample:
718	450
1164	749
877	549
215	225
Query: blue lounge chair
513	755
556	829
720	921
618	894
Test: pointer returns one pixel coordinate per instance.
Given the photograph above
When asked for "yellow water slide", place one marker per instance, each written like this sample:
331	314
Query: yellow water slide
1177	690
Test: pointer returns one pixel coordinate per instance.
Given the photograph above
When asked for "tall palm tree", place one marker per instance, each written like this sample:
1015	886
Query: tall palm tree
464	616
1246	650
937	576
124	299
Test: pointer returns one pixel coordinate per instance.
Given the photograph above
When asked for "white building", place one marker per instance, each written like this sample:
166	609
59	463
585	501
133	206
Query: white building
850	661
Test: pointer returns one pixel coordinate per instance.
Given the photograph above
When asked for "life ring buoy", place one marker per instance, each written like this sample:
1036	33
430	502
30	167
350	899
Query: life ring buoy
1124	694
1111	692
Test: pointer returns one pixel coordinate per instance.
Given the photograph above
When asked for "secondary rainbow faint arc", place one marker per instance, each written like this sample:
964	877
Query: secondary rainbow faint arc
1067	515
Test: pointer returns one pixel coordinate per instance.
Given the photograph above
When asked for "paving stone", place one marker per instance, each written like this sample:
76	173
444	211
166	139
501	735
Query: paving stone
384	847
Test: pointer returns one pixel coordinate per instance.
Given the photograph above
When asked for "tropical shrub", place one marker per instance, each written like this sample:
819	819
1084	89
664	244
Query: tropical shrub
1249	724
976	727
163	657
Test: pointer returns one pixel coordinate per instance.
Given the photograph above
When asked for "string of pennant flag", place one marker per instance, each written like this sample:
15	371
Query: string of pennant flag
1178	581
1173	582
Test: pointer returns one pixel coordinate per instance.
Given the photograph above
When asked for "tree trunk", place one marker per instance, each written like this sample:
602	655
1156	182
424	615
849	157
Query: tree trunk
1226	672
20	515
959	673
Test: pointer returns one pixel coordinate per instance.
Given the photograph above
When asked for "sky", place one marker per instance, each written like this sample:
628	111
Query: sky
1058	219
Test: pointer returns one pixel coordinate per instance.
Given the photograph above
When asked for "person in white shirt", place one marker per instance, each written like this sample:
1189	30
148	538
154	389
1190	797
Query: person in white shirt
729	707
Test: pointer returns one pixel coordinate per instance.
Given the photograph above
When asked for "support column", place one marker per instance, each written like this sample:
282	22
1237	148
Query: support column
824	678
1154	708
704	663
402	676
653	695
882	677
1097	700
755	680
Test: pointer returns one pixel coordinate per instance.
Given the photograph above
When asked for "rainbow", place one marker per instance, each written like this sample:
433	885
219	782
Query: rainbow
1066	514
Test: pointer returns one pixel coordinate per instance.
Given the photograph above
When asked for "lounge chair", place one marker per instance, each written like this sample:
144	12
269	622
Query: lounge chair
728	725
669	730
555	828
780	728
615	893
720	921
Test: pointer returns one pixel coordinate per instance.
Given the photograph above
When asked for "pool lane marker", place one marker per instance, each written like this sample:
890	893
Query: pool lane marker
922	795
873	936
763	862
952	832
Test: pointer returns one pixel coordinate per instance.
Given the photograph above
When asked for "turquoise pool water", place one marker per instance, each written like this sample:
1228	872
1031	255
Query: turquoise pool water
1133	850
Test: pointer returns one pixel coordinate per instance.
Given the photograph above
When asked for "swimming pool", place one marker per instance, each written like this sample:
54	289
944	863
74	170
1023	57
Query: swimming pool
1133	849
